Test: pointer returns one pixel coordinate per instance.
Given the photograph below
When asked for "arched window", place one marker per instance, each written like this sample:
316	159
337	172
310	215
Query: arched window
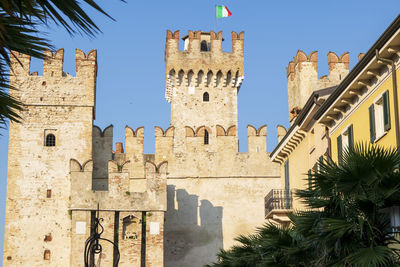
205	137
203	46
206	97
50	140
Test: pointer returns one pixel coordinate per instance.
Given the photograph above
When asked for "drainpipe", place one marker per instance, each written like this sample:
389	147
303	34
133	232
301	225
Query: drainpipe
396	104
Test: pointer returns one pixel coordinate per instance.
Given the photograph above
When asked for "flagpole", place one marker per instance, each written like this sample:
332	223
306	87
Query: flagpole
215	18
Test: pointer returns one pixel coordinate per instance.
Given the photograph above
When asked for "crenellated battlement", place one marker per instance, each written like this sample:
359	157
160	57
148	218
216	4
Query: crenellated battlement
53	62
55	87
302	77
202	62
119	195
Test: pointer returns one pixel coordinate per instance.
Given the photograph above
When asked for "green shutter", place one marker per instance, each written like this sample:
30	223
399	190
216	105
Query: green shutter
372	122
309	179
287	184
339	148
386	111
350	136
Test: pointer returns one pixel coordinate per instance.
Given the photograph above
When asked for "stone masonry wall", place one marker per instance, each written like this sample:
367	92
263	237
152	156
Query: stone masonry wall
212	196
37	231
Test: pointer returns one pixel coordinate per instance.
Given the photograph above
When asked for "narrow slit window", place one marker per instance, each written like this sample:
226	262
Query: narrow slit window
50	140
206	137
206	97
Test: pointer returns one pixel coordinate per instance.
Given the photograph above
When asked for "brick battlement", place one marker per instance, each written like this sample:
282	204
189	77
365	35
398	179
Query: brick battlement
202	62
55	87
302	76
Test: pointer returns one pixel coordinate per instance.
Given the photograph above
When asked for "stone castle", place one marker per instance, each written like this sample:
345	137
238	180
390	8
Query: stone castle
176	207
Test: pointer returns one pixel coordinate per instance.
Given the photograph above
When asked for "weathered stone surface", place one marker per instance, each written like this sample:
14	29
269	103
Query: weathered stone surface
214	192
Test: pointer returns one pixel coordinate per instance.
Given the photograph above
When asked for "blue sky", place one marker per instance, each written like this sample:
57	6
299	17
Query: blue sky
130	84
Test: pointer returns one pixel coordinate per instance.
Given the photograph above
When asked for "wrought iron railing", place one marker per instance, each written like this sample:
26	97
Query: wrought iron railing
278	199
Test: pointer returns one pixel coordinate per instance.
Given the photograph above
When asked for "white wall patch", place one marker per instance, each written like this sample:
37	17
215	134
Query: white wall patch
154	228
80	228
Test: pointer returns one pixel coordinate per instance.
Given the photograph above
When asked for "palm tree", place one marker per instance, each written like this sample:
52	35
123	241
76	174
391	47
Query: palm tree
19	21
344	224
271	245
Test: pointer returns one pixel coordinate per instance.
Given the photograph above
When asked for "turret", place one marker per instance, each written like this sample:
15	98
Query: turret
302	77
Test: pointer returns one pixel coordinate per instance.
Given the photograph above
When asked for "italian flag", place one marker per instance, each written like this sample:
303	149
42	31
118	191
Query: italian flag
223	12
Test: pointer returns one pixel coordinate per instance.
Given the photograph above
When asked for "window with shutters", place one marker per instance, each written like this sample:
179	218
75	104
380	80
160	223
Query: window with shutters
345	141
287	186
379	117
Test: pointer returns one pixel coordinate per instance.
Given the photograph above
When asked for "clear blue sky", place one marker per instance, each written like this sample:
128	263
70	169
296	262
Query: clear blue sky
130	83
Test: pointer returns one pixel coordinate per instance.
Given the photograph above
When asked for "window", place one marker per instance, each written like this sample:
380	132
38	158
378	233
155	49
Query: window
287	185
206	97
379	117
204	46
50	140
205	137
344	141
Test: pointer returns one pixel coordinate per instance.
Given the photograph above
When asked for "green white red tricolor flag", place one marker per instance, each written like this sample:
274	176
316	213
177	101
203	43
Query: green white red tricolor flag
223	12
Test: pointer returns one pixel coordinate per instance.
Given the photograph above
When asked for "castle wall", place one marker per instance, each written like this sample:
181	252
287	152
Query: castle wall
102	153
119	204
212	197
38	224
206	214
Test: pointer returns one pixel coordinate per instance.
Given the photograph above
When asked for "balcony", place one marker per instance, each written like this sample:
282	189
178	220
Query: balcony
278	203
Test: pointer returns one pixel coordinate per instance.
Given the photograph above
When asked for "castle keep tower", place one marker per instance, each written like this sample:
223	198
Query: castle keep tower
202	82
214	192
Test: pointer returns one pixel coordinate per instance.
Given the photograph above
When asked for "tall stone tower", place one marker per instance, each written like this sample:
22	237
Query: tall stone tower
202	83
57	126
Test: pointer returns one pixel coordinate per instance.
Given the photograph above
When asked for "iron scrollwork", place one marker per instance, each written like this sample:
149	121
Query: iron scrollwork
93	246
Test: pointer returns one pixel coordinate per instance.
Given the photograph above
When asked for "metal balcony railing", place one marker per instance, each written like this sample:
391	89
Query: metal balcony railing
278	199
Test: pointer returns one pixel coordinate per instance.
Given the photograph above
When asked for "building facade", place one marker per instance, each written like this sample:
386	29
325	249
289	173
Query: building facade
306	141
176	207
362	108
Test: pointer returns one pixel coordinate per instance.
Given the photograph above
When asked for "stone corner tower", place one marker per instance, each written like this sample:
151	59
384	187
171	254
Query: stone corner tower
202	82
58	117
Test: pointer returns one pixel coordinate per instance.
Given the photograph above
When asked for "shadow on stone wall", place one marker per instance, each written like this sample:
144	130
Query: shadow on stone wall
192	232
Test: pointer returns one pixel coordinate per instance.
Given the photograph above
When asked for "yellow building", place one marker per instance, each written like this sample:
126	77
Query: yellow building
305	142
364	107
297	152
